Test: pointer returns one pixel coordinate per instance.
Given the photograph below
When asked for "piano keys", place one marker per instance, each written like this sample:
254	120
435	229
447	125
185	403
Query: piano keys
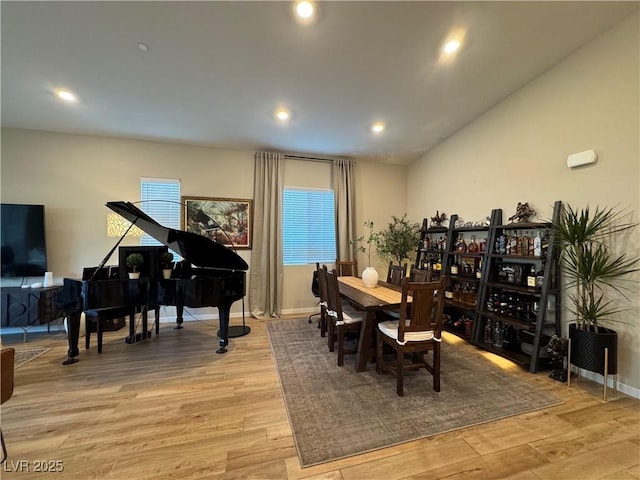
211	275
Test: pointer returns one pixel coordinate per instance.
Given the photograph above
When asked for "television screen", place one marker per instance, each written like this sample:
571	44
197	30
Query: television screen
24	250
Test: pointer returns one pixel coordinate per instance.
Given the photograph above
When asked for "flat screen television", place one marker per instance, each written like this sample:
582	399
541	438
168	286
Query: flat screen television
24	249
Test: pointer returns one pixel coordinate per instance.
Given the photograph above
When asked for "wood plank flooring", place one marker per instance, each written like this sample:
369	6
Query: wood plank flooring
171	408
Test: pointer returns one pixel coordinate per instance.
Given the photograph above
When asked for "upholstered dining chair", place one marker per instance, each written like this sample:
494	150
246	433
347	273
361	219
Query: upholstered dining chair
413	338
339	323
7	366
347	268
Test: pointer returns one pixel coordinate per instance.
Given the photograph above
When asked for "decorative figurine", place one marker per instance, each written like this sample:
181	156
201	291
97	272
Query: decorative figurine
523	212
438	219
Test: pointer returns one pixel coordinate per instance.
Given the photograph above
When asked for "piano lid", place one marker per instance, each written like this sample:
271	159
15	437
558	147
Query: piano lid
196	249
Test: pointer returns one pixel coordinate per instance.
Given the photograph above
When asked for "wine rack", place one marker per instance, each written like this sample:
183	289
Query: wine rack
431	250
519	305
464	270
510	282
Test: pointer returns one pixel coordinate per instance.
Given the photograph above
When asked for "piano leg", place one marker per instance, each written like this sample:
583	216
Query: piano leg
223	313
73	325
180	292
179	310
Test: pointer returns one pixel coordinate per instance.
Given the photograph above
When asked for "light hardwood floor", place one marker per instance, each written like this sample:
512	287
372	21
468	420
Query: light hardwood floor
171	408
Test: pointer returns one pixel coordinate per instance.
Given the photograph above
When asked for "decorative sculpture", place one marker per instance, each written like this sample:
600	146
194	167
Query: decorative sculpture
439	219
523	212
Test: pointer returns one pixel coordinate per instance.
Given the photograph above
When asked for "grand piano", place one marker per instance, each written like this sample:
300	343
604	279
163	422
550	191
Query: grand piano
211	275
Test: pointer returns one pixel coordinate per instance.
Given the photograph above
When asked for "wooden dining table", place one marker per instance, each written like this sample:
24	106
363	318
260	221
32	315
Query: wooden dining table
369	300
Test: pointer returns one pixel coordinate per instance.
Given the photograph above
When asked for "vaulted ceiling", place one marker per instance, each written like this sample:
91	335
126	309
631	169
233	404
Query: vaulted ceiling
214	73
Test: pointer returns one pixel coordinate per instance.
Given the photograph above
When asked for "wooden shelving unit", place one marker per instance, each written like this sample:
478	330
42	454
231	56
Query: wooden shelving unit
524	313
499	296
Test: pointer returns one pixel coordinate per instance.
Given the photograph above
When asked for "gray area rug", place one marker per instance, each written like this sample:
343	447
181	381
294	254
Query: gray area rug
336	412
25	356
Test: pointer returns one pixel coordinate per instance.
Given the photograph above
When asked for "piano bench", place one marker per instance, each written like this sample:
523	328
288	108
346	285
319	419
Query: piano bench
104	319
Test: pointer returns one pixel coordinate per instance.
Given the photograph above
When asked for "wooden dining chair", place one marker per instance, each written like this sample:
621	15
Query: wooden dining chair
418	275
396	273
7	364
315	290
412	338
322	293
347	268
339	323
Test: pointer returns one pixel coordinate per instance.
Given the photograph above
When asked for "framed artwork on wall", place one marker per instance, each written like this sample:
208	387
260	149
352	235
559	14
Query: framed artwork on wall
228	221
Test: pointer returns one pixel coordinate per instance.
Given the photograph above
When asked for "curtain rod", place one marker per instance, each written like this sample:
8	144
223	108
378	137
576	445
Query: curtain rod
313	159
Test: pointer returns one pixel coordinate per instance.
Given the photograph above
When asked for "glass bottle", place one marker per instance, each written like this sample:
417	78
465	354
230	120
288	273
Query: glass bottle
461	246
497	335
479	270
531	277
540	277
473	246
537	244
454	268
506	337
488	332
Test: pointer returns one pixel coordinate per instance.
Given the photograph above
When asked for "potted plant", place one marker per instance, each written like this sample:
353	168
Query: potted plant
166	261
399	240
370	274
133	261
593	273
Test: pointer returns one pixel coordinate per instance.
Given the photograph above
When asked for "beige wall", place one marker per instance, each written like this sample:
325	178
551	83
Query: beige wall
75	175
517	152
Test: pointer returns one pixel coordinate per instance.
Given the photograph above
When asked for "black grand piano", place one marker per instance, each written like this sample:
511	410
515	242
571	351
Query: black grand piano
211	275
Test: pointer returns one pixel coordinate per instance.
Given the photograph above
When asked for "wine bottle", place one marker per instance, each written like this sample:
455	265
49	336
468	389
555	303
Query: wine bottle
479	270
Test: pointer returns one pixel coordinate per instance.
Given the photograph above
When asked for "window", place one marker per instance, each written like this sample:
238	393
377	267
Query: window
308	226
160	199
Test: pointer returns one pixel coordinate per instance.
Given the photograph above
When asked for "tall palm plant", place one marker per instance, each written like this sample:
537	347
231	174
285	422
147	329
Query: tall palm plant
590	265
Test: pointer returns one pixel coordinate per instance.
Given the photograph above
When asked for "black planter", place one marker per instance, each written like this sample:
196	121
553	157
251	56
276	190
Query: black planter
587	349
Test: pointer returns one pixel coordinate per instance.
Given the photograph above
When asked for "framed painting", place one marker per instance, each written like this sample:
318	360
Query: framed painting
228	221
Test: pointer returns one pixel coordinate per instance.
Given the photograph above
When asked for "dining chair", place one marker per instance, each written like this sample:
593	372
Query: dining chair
7	365
418	275
347	268
315	291
396	273
339	323
322	293
395	276
412	338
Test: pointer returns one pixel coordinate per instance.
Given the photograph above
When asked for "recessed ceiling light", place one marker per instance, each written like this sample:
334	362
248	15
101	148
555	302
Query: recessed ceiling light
377	127
66	95
282	114
305	8
451	46
143	47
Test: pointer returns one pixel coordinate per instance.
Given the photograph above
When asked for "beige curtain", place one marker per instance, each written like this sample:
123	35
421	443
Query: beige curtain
344	190
265	278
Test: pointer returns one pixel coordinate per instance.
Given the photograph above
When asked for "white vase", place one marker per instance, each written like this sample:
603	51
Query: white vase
134	275
166	273
370	277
